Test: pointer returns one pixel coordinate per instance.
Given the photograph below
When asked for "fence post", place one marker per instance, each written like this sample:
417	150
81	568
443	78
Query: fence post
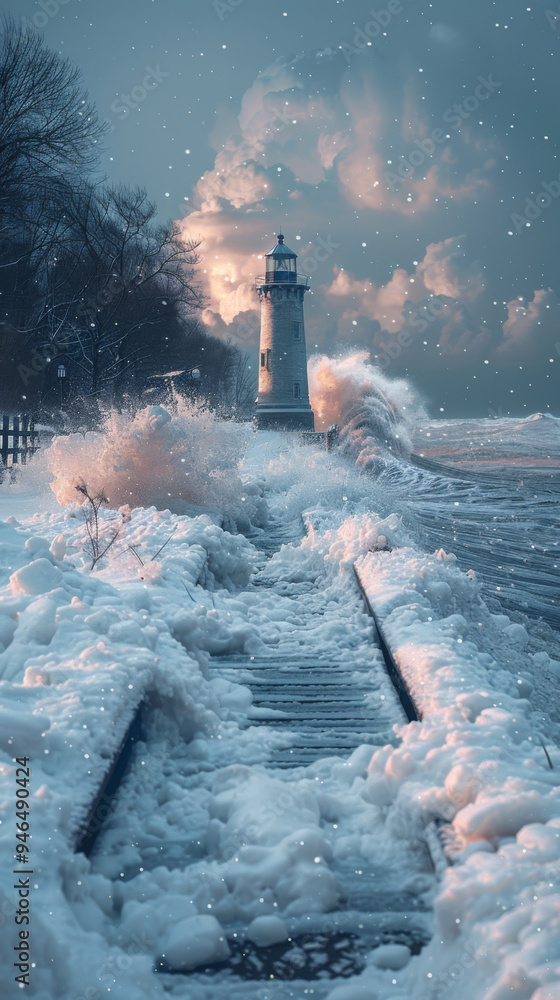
22	431
5	430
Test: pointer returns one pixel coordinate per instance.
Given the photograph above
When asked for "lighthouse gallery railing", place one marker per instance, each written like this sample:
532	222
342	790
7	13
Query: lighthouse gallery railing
282	277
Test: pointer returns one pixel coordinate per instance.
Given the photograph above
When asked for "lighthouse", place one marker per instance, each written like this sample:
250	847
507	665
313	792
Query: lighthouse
283	397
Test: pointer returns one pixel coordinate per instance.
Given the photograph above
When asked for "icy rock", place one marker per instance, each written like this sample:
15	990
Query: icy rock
38	577
475	847
37	622
524	687
391	956
127	631
7	629
33	544
196	941
264	931
20	732
461	785
58	547
504	815
101	621
542	841
357	991
502	621
517	634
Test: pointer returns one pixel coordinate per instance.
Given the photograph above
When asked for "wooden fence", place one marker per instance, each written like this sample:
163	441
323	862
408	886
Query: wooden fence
17	439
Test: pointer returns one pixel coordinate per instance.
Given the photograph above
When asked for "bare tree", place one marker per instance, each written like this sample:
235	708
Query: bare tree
117	276
242	384
48	126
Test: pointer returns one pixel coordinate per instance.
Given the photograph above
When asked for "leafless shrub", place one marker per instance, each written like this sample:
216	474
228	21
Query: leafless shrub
92	505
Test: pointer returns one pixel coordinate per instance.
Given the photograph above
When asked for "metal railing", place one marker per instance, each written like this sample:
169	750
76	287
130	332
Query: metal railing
282	278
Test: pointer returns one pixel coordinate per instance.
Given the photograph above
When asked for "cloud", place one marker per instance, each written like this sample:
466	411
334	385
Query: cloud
233	181
447	270
531	329
432	296
383	303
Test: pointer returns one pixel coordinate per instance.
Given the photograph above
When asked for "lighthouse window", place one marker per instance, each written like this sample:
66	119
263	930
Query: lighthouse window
297	390
262	359
296	331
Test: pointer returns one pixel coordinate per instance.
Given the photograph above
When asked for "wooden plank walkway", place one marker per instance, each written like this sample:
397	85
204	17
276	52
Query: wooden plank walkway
323	707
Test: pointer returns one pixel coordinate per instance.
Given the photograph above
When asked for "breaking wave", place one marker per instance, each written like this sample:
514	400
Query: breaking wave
179	460
375	414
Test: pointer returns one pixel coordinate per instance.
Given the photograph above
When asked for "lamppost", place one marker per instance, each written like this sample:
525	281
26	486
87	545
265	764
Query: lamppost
61	377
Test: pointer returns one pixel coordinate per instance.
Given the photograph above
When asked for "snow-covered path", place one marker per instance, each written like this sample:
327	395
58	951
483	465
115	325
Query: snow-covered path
313	722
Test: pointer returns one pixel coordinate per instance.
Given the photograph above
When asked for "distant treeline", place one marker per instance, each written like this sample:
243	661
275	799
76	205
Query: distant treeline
89	278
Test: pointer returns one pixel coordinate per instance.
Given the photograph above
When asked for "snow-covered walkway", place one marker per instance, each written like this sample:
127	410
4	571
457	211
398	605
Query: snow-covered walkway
278	793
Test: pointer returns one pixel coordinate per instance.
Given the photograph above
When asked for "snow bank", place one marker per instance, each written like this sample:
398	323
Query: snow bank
80	651
475	761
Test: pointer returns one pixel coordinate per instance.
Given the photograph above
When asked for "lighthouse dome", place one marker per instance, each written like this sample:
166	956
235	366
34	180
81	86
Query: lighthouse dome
281	250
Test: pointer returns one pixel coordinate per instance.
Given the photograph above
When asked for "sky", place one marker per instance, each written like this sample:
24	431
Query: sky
407	150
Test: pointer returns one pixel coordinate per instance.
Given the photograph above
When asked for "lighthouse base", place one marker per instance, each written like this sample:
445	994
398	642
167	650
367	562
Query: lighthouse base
278	418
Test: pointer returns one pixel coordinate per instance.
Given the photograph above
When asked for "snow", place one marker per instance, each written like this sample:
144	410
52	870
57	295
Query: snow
267	930
354	992
210	836
391	956
38	577
475	761
195	941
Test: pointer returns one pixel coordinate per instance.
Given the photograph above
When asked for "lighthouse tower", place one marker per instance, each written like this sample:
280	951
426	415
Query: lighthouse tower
283	398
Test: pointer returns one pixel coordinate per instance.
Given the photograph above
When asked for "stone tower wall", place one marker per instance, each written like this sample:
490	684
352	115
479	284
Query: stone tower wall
286	358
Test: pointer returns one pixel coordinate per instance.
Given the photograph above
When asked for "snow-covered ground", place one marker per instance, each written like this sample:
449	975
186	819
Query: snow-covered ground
208	835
